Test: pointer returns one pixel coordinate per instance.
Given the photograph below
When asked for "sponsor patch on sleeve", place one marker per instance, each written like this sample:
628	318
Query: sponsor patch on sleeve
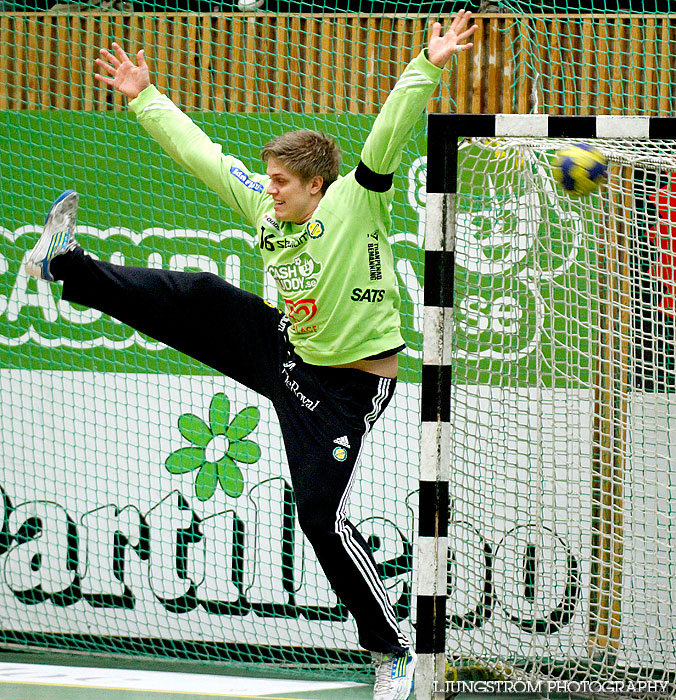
245	179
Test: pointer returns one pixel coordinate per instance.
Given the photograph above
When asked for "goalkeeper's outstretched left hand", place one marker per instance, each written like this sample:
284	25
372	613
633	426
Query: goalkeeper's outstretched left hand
122	74
441	48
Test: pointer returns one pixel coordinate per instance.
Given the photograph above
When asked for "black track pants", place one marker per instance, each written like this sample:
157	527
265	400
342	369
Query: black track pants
316	406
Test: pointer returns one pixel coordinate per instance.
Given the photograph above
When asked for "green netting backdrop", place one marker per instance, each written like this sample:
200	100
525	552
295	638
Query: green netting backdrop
102	547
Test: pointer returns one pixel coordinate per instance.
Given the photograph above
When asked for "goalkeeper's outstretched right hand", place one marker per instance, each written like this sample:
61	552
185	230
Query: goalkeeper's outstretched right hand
123	75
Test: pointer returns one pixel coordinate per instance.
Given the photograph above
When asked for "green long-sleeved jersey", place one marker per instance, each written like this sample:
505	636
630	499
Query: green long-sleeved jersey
334	272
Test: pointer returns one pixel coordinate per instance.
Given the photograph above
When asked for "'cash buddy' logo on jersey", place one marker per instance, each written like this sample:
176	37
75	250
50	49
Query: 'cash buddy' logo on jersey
301	274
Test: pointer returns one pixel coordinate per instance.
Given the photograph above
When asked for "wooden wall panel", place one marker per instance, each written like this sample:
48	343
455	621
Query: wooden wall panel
250	62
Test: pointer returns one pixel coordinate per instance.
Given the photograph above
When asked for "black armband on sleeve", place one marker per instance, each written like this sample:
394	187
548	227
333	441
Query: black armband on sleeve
372	181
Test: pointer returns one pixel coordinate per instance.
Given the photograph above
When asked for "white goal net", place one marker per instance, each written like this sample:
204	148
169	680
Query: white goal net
562	540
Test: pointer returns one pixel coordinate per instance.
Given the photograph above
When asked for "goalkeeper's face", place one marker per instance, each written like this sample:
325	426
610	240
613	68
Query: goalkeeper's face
294	199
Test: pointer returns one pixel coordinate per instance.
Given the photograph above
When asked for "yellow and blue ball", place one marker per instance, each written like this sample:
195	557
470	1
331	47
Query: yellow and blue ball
580	169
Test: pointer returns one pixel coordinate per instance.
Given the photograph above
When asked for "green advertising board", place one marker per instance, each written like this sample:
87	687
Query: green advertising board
521	263
139	208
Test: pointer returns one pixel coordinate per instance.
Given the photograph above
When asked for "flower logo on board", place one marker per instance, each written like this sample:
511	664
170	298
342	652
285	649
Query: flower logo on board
216	448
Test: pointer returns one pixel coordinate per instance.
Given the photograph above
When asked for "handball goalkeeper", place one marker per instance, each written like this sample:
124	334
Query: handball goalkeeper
328	363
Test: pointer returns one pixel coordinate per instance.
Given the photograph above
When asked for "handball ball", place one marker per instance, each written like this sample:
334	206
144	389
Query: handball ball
580	168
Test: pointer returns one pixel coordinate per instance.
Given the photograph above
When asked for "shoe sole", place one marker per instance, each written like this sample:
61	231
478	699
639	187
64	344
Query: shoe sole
58	223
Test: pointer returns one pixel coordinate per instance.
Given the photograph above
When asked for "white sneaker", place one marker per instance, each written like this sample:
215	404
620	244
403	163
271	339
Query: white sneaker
394	675
57	238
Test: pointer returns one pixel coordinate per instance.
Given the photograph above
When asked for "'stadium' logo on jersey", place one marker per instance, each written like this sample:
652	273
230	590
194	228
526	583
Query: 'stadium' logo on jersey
299	275
315	229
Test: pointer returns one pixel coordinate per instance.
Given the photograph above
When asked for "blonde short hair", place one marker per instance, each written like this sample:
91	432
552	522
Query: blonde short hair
306	153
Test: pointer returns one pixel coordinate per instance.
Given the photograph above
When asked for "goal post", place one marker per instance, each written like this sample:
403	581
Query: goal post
547	529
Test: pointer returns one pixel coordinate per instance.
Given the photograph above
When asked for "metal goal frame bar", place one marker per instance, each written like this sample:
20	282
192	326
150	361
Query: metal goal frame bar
444	132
